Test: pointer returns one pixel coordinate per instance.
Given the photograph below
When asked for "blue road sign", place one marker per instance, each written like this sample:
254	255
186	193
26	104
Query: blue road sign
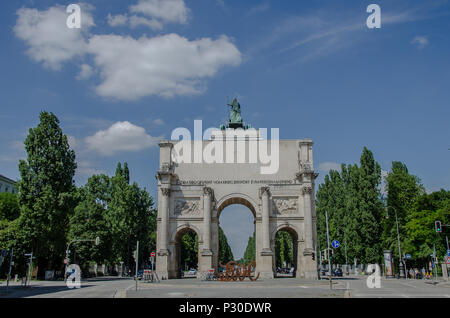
335	244
408	256
448	252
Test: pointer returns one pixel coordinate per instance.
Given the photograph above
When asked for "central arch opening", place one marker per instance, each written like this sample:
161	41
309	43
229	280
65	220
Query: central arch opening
186	249
286	241
236	231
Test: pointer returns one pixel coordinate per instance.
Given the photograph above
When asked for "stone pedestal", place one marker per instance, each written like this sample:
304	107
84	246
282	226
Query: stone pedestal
265	268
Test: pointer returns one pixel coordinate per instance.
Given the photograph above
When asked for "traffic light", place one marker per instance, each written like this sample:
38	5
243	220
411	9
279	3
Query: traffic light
438	226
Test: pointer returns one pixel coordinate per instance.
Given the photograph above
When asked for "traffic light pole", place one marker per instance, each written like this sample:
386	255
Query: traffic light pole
328	252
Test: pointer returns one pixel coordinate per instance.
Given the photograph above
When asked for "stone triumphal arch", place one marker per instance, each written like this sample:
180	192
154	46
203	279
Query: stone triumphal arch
192	194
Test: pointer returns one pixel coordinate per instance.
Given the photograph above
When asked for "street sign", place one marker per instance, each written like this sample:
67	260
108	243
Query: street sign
408	256
153	254
335	244
447	261
448	252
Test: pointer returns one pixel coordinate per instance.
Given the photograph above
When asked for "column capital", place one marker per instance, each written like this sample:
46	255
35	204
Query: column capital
307	190
165	191
208	191
264	191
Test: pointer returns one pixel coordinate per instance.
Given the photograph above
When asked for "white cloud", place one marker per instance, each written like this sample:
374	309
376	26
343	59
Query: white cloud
117	20
174	11
165	65
86	72
158	122
85	168
129	68
72	141
258	8
420	42
121	136
49	40
136	21
327	166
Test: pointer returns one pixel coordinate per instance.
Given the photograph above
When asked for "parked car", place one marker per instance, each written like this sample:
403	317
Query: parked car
337	272
140	274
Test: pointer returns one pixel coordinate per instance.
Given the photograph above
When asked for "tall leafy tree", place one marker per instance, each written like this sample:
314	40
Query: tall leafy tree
284	252
403	190
370	208
250	251
420	234
352	200
9	206
46	191
89	222
225	253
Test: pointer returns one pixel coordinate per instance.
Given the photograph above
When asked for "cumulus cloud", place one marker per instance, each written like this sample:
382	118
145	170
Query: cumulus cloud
327	166
165	65
174	11
48	39
121	136
117	20
86	168
420	42
86	72
158	122
129	68
136	21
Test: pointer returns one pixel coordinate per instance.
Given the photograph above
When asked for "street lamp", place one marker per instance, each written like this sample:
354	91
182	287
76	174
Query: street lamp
402	273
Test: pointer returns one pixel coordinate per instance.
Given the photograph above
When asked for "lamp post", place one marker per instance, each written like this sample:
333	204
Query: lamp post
402	271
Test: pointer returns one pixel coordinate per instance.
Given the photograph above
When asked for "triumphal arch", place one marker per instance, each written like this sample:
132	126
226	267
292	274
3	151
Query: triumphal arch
236	164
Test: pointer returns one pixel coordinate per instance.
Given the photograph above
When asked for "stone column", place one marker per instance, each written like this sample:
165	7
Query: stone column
265	267
207	195
307	191
164	219
309	265
265	195
206	255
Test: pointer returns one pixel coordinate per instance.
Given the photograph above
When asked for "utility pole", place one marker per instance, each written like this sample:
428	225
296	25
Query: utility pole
435	261
328	250
137	262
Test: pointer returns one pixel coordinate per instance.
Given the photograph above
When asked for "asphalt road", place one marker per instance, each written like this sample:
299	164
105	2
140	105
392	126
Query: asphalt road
109	287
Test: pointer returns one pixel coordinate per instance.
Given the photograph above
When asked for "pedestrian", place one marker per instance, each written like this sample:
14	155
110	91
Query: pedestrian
411	273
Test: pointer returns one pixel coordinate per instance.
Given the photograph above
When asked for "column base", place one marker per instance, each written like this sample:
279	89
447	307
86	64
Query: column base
205	263
162	264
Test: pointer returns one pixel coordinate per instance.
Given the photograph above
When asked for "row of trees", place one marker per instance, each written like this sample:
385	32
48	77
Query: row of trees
51	211
363	218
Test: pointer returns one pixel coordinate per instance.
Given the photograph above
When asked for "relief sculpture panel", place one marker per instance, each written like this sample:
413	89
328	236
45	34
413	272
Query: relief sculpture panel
284	205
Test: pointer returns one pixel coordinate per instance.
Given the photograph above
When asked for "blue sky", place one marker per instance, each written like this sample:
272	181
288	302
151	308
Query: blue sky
138	69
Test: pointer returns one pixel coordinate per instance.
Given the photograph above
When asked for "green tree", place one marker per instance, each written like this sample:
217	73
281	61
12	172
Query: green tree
370	208
225	253
46	192
9	206
130	217
189	250
403	190
250	251
420	233
352	200
89	222
284	251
